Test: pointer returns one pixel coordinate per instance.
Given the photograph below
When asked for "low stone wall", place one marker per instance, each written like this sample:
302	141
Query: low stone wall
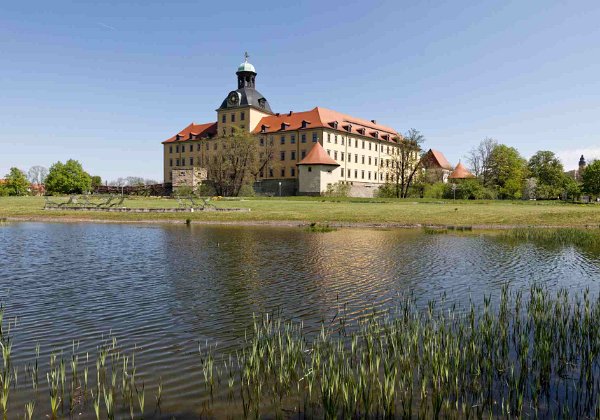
151	210
363	189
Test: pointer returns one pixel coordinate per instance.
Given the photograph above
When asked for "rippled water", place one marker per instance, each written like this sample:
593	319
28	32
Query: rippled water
164	288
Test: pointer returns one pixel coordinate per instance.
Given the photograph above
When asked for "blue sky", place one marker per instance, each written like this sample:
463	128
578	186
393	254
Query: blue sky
106	82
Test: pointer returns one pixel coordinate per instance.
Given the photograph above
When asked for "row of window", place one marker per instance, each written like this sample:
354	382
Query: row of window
366	175
224	117
181	162
271	173
292	139
364	144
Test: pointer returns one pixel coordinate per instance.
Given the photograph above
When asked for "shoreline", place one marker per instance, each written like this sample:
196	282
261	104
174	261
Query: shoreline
287	223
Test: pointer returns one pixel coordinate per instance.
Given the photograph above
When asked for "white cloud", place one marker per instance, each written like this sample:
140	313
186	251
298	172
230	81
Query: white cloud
570	158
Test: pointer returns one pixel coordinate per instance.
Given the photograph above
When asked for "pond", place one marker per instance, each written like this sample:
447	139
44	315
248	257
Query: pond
165	290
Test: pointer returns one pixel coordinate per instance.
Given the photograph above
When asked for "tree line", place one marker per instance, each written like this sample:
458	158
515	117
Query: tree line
500	172
507	175
61	178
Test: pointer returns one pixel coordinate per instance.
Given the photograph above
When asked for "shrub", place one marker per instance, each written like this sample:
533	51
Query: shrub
387	190
206	189
338	189
435	190
469	189
247	190
183	191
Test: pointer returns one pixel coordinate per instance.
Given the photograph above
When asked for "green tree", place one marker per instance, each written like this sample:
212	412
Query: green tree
68	178
236	161
571	188
549	172
96	181
402	165
591	178
507	172
16	182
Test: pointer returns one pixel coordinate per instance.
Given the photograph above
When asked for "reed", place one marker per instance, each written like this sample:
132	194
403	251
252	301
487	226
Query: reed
320	228
528	353
588	238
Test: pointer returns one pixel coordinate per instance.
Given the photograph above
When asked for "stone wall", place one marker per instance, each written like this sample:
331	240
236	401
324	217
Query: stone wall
363	189
188	177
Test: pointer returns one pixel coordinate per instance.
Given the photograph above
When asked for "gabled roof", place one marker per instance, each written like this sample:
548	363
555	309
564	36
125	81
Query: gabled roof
325	118
460	172
196	130
318	156
436	159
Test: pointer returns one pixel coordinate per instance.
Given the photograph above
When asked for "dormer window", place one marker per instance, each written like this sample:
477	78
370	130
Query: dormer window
375	134
261	102
263	128
284	125
177	137
305	123
361	131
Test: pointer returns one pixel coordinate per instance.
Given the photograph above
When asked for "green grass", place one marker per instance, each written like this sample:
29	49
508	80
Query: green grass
338	211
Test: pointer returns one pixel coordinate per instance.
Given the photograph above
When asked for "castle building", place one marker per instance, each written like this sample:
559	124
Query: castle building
313	149
577	174
436	166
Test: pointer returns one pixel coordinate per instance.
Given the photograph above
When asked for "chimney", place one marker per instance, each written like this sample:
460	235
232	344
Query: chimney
277	114
374	121
290	114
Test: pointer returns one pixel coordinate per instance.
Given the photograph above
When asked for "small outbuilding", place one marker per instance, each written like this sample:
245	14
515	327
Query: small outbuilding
316	171
460	172
437	168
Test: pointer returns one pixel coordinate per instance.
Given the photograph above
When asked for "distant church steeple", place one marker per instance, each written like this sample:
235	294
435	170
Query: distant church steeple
246	74
582	163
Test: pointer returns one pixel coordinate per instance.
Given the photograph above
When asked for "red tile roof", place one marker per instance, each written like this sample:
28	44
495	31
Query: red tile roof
435	158
318	156
196	130
325	118
460	172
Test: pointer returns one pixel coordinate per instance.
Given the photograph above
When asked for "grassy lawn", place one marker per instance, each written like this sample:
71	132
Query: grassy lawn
345	210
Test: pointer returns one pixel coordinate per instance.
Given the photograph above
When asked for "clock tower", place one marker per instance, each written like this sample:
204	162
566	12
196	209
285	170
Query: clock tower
245	106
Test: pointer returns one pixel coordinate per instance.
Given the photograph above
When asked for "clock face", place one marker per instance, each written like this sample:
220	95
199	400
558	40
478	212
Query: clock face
233	98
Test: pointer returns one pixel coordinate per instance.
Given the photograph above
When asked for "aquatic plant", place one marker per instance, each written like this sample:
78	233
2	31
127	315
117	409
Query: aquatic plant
529	353
320	228
589	238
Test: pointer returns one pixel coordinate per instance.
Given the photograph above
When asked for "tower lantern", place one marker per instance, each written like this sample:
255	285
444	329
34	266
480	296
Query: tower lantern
246	74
